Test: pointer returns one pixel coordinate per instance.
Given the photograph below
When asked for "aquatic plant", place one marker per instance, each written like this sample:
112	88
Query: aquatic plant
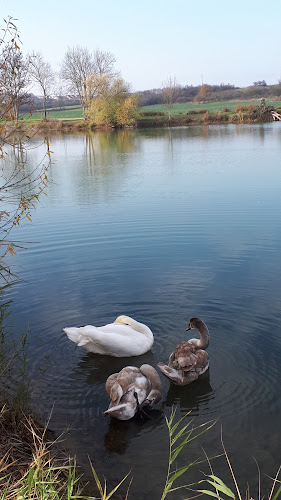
177	441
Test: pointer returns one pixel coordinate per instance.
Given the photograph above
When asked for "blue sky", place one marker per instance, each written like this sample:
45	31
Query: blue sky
217	41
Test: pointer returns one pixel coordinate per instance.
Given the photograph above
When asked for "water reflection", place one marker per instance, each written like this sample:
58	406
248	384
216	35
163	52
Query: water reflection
121	433
163	225
95	368
191	397
103	148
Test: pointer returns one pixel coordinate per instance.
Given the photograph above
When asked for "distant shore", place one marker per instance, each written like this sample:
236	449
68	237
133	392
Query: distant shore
156	116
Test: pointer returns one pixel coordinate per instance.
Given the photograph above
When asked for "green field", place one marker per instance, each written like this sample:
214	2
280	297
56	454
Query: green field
68	114
212	107
75	113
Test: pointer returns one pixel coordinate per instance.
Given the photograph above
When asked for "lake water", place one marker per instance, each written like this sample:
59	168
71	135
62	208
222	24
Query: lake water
161	225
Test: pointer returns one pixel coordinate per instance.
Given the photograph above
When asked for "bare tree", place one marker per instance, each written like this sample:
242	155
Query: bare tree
104	62
43	75
77	66
14	79
169	93
21	184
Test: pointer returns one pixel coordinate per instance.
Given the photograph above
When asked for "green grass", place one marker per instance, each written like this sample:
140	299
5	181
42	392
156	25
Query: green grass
178	439
212	107
74	112
70	114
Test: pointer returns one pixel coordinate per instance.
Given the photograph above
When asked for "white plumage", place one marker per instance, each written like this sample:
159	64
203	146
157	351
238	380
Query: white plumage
124	337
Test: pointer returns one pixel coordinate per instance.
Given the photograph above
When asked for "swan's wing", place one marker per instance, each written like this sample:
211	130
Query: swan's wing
116	329
202	359
113	340
130	378
102	341
118	385
113	389
184	357
178	377
171	373
81	336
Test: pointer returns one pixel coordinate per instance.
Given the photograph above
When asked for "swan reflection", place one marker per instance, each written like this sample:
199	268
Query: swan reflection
192	396
121	432
96	368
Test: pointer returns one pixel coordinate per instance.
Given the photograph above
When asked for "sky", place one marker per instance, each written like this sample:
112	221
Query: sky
194	41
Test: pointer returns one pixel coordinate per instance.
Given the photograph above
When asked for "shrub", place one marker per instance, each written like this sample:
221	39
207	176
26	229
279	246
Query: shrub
245	108
151	113
198	111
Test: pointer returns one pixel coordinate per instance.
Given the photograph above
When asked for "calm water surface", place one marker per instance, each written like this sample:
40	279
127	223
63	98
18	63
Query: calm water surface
161	225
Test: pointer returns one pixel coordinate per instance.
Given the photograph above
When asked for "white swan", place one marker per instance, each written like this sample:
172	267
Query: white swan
124	337
131	389
189	359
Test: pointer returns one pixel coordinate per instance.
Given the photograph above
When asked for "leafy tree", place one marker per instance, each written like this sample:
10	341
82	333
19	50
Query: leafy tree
125	110
41	73
111	102
204	93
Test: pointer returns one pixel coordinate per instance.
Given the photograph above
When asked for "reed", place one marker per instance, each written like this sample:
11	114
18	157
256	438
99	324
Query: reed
222	491
178	439
30	468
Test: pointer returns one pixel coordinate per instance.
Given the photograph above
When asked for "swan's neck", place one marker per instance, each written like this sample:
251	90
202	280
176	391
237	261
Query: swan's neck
204	336
138	327
156	386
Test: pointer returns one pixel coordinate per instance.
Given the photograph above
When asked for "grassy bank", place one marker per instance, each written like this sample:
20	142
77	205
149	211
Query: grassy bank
208	114
211	107
190	113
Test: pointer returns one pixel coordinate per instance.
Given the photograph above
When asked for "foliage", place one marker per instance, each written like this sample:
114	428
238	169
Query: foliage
177	441
78	66
110	101
42	476
20	187
203	93
103	490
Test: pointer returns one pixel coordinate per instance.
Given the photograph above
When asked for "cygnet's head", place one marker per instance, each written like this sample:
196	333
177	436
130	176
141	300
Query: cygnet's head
153	397
194	324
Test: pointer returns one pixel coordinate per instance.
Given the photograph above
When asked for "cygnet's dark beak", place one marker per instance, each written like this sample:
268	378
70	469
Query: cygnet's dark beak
146	402
188	329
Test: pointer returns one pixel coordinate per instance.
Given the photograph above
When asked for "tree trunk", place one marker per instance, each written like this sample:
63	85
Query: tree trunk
44	107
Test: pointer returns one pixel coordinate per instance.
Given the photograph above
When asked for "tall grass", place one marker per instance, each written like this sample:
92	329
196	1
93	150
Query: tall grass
178	439
222	492
44	477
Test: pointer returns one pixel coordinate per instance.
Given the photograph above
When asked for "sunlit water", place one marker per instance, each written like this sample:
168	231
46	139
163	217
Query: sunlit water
161	225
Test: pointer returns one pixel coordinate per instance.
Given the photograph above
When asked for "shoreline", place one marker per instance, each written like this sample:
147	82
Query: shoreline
253	115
